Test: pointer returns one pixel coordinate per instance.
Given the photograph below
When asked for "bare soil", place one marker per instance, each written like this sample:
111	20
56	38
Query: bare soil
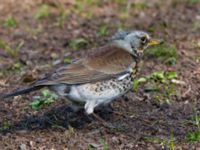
138	121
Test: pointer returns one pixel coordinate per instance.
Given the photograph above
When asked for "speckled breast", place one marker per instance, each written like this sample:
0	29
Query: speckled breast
102	91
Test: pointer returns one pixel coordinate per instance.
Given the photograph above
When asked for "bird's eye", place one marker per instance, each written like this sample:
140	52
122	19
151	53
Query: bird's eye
143	39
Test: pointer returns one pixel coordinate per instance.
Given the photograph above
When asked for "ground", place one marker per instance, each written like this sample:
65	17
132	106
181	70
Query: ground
162	113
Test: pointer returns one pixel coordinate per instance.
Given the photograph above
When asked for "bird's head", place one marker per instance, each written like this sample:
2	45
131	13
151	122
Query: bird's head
135	42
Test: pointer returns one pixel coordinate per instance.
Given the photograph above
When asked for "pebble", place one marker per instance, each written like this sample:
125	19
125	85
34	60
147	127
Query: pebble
22	147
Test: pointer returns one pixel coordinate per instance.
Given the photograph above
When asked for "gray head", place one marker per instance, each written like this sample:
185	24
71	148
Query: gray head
134	42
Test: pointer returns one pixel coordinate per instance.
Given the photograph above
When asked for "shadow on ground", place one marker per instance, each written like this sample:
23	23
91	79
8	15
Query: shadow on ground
60	118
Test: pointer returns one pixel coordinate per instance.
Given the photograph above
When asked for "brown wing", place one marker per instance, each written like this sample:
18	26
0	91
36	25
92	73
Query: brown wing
107	62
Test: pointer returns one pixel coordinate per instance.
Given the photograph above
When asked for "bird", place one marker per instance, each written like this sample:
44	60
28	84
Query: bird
100	77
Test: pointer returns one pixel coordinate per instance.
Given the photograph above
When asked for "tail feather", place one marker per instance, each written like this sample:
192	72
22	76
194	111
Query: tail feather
21	91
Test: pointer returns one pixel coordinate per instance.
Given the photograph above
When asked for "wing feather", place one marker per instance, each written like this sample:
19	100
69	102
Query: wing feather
108	62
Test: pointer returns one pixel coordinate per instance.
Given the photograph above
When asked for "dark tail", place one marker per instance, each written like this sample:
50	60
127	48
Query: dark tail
21	91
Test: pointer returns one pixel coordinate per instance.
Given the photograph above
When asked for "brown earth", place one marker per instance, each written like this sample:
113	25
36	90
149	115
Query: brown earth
140	121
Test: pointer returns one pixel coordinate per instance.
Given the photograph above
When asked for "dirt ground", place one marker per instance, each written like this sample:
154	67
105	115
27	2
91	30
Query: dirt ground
48	39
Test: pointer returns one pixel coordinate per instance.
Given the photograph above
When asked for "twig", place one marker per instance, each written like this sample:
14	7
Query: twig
187	92
178	82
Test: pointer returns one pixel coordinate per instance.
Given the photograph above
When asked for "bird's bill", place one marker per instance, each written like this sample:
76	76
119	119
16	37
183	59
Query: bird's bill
153	42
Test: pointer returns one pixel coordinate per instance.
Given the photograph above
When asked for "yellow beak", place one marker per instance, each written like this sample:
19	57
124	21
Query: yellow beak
153	42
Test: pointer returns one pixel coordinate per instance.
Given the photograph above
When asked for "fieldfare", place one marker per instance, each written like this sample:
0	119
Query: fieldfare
100	77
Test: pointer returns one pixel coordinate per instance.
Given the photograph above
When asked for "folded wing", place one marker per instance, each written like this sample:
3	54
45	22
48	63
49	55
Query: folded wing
108	62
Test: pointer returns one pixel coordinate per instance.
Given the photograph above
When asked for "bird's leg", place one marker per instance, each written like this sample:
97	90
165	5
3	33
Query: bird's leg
89	106
89	109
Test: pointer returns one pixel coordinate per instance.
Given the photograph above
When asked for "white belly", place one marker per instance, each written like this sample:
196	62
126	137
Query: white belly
94	94
83	93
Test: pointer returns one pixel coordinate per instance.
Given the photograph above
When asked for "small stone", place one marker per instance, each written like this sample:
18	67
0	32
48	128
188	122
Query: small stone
56	62
94	145
54	55
22	147
115	140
